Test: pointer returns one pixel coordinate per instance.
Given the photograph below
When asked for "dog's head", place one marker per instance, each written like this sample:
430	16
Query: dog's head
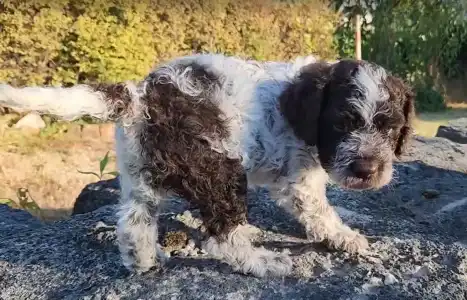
357	116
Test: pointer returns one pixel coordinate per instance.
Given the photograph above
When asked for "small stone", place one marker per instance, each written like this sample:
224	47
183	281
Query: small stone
375	281
100	224
430	193
30	121
191	244
390	279
371	286
188	219
421	271
374	260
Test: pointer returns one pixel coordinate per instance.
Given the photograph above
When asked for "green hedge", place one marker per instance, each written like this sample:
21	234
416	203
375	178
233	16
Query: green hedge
71	41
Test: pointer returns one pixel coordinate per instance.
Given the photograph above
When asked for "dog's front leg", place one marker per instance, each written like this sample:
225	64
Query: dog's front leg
305	198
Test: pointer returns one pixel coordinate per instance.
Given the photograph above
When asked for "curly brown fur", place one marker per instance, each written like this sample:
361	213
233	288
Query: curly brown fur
116	95
403	97
178	158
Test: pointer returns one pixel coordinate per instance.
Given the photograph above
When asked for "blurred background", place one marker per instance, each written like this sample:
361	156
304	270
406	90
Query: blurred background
44	164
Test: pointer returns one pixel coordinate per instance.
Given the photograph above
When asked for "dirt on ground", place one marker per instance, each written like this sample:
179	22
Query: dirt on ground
47	163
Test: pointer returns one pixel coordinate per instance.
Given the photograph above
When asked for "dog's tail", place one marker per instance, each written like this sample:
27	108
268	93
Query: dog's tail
108	102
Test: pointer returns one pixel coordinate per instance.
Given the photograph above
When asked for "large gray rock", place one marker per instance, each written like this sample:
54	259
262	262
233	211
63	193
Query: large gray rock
455	131
417	228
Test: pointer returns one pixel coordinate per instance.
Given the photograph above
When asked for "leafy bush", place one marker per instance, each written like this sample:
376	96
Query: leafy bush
416	39
72	41
428	99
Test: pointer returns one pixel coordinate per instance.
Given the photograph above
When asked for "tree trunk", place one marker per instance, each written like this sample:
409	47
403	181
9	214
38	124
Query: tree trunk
358	37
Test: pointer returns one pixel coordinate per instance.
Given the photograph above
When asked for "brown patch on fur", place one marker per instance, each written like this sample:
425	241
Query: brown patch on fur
402	95
116	95
301	103
178	158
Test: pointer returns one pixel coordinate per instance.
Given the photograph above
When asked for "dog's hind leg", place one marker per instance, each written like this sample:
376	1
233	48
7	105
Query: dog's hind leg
225	220
137	230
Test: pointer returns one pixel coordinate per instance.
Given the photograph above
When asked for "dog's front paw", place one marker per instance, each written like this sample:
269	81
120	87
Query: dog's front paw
350	241
141	262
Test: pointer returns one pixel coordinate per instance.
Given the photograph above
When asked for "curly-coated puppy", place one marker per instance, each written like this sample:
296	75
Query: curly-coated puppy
204	127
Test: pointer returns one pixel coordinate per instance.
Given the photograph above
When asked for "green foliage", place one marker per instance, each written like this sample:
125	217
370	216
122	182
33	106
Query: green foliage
71	41
102	165
419	40
428	99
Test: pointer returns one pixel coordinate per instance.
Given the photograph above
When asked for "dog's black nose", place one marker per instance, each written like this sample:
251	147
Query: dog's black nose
364	168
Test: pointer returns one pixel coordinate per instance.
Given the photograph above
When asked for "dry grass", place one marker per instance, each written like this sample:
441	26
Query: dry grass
48	168
426	124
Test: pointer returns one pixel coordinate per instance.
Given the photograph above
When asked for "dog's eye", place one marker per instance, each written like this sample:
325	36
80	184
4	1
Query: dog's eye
348	123
381	123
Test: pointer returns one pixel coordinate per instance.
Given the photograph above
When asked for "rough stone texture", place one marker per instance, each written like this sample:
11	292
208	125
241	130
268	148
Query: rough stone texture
30	121
417	228
95	195
455	131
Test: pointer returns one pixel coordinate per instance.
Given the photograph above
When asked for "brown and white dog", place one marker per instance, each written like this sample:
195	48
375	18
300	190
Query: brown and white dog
207	126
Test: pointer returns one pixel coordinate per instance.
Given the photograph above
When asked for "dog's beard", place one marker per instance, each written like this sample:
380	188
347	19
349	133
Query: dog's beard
356	147
345	179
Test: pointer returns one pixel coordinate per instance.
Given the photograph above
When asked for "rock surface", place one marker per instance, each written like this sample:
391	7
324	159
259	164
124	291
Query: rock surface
95	195
417	228
455	131
30	121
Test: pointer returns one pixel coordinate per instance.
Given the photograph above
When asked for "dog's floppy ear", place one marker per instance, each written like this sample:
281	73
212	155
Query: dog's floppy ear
302	101
403	95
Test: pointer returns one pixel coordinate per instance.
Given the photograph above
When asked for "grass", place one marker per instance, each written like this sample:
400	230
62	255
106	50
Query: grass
47	164
426	124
